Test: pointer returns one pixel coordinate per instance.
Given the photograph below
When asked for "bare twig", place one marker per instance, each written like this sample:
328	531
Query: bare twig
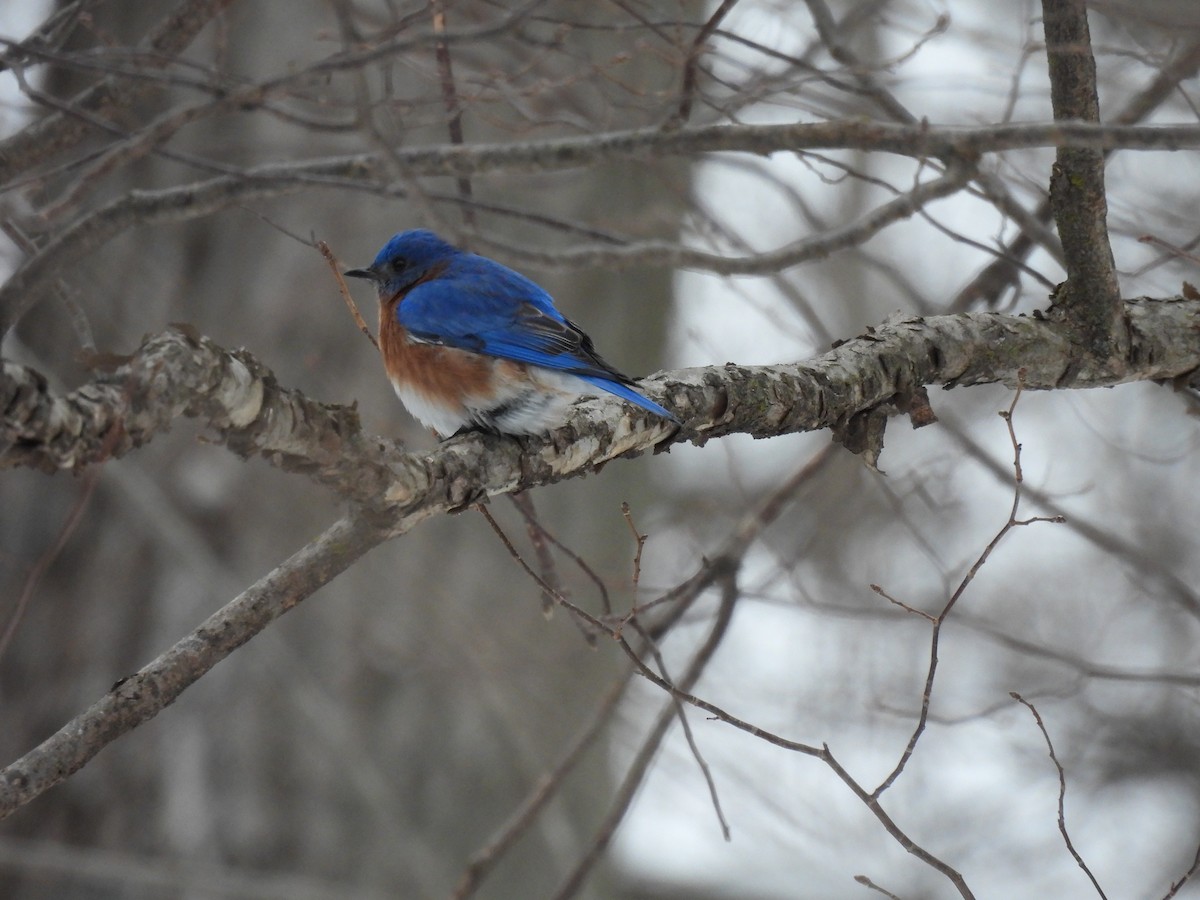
90	231
335	267
1176	885
539	538
680	598
61	132
1112	543
581	615
551	587
827	31
939	620
872	803
1062	792
989	284
547	787
728	582
90	479
544	534
450	101
687	89
640	766
904	606
1172	250
639	544
870	885
556	596
141	696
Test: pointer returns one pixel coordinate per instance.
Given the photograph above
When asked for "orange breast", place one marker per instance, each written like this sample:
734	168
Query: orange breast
443	374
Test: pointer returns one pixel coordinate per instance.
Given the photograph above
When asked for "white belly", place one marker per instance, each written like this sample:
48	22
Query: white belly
528	407
443	418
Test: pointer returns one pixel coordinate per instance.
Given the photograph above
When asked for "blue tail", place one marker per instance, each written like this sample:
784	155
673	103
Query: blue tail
628	393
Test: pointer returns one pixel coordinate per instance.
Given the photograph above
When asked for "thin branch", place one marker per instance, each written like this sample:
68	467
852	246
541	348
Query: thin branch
544	534
729	596
889	824
1062	793
539	539
61	132
750	527
552	590
1171	250
912	610
687	90
141	208
640	766
819	246
34	577
141	696
548	590
990	283
870	885
335	267
547	787
940	619
450	102
827	31
918	140
89	232
554	595
639	545
1176	885
125	871
1112	543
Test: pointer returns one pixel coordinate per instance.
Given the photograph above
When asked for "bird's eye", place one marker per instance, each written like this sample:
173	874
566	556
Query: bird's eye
399	264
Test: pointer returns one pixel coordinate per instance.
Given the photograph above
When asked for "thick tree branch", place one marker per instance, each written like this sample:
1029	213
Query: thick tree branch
990	283
174	374
1091	298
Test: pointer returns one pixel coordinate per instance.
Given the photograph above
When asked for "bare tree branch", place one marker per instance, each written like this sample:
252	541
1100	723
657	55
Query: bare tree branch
940	619
138	208
176	374
61	131
173	375
640	765
1062	793
989	284
547	787
1091	297
150	690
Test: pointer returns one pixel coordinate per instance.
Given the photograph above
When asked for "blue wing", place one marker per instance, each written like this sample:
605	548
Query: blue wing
479	305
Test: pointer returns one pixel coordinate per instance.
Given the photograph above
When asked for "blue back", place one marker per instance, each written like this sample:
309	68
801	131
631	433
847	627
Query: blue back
470	302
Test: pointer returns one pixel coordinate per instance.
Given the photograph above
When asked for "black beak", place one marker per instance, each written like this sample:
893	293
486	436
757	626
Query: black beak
367	273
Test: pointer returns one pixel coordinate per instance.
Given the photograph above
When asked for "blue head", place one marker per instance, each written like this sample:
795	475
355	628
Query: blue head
409	257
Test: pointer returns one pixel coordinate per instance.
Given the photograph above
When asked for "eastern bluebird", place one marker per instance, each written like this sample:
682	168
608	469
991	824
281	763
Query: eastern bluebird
468	342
